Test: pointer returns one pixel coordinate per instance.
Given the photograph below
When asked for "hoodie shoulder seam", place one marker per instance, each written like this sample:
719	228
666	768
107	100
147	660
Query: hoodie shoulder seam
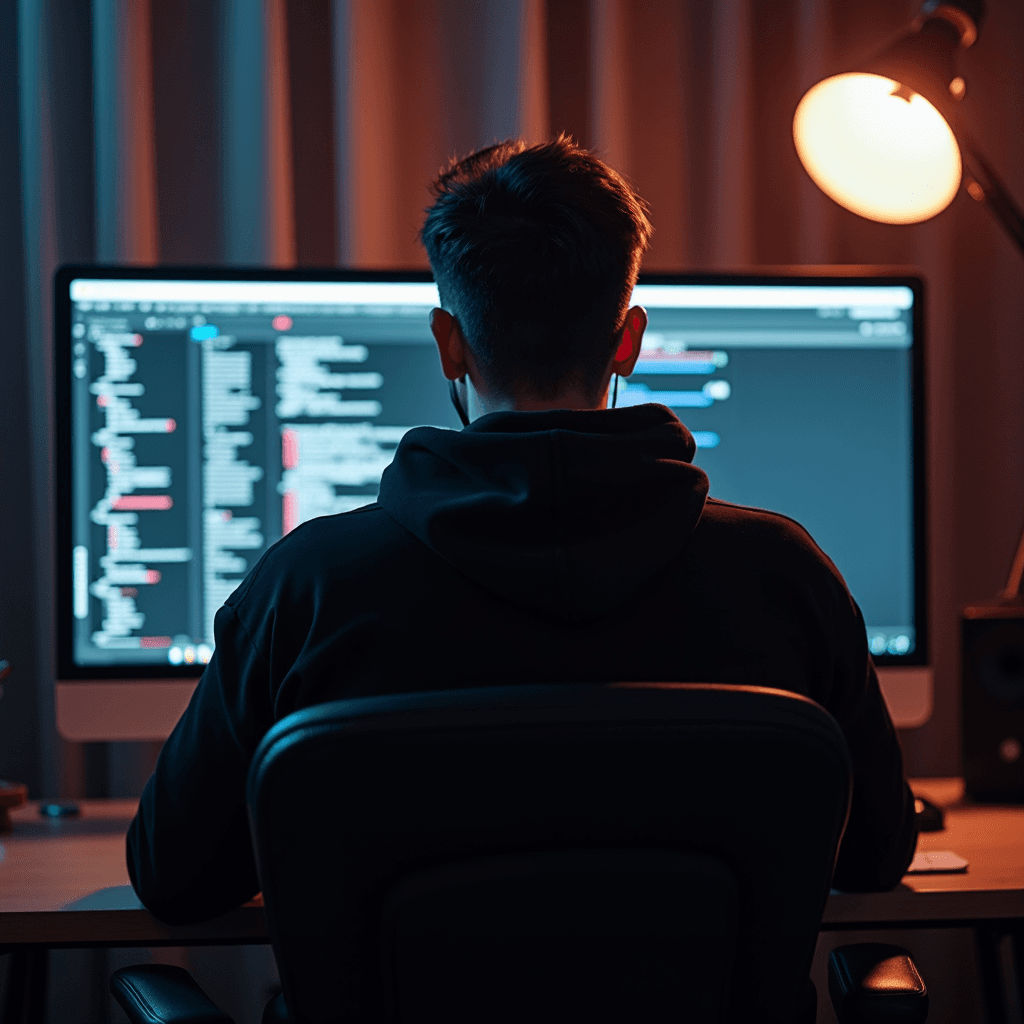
767	512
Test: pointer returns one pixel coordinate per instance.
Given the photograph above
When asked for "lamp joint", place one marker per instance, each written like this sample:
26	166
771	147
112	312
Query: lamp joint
963	15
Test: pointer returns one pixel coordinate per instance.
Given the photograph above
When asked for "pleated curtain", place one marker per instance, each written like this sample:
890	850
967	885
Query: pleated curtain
284	132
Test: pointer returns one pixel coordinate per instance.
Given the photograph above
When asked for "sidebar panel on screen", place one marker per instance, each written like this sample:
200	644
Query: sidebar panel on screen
133	489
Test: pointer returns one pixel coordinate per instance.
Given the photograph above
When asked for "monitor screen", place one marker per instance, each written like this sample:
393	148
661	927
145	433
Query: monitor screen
801	397
205	414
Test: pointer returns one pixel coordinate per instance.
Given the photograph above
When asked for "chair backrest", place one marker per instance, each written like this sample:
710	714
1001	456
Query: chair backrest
645	851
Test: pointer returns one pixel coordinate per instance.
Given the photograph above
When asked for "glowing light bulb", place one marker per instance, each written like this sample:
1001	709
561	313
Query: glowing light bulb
884	156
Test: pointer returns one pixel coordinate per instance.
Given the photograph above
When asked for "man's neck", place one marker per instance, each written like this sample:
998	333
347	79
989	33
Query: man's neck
481	405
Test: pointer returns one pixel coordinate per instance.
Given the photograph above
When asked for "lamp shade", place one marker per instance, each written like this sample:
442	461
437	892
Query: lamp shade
877	148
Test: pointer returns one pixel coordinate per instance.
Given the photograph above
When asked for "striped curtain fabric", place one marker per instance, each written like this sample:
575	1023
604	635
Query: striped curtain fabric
304	132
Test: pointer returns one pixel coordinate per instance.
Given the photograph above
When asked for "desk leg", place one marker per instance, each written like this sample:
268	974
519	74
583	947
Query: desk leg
992	983
25	1000
1017	960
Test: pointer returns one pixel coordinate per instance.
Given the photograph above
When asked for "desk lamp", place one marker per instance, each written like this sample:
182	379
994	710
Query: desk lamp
887	140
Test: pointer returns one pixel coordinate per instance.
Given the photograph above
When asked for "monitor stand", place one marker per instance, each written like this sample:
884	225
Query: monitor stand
908	692
111	710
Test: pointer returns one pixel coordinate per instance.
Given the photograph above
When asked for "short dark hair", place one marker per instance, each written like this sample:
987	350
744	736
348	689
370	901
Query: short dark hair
535	250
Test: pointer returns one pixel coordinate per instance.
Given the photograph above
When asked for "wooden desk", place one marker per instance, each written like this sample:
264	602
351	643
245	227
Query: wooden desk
64	883
991	890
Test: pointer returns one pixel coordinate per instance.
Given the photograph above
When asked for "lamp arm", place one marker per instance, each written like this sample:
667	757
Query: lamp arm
1012	591
989	189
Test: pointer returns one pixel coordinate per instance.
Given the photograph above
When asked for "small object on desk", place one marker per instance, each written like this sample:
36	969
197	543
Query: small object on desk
937	862
110	897
12	794
5	671
60	809
929	817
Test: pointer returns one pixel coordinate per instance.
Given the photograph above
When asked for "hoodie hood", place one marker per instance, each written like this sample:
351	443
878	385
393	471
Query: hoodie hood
566	512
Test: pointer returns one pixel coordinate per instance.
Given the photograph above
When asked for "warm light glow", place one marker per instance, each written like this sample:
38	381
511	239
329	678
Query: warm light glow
877	154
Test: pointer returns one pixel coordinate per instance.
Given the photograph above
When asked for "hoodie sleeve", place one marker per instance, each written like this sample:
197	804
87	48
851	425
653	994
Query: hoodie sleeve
189	854
881	832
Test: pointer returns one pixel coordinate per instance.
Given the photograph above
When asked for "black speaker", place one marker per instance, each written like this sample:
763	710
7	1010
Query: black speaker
992	702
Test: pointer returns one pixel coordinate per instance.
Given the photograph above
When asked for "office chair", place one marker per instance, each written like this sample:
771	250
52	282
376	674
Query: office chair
629	852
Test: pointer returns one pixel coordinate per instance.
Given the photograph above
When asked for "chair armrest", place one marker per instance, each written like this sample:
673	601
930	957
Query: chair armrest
160	994
874	983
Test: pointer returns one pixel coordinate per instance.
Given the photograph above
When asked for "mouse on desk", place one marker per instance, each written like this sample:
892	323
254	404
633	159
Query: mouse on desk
929	817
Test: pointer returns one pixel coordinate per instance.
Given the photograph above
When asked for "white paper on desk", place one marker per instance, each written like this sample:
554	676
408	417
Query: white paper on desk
936	862
113	897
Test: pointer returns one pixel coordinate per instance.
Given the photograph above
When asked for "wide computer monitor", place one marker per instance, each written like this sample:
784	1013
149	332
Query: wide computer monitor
203	414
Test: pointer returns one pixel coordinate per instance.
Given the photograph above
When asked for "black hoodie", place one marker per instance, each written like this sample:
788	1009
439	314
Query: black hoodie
529	547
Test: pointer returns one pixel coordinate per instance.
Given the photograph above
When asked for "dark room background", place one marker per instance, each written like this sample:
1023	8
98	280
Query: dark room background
304	132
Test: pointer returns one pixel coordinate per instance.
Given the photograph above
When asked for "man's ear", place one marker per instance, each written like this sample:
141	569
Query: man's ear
451	346
628	351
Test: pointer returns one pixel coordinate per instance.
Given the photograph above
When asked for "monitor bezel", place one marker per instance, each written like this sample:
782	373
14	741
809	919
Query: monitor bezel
68	671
